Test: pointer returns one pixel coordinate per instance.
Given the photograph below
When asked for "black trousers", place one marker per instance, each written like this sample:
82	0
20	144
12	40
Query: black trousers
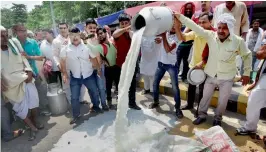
112	74
54	76
132	89
192	93
183	54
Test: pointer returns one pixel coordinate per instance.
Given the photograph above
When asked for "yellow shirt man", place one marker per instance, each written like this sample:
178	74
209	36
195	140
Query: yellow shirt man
198	47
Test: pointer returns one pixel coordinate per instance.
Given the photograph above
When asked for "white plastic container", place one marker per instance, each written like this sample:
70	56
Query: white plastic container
156	19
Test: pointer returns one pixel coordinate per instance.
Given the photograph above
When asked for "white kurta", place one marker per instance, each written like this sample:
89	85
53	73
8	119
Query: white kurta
256	100
149	56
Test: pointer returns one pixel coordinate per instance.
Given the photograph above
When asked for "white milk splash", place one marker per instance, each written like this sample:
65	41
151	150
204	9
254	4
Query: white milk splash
127	72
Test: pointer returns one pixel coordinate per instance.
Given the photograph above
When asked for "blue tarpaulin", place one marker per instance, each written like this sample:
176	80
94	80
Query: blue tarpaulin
80	26
109	19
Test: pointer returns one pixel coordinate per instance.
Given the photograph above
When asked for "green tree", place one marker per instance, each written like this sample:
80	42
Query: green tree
19	13
73	12
35	18
6	18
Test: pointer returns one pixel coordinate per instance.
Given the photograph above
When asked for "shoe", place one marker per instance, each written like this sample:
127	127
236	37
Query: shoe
39	126
96	109
109	102
145	92
243	131
136	107
74	120
84	102
187	107
217	123
32	134
179	114
154	105
199	120
105	108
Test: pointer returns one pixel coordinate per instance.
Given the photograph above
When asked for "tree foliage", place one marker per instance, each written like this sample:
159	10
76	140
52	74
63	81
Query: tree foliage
70	12
6	18
19	13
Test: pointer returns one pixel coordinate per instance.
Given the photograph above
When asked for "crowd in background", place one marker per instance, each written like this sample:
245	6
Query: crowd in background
91	61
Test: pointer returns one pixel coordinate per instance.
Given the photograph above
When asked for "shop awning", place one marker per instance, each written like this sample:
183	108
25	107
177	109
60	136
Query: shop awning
109	19
175	6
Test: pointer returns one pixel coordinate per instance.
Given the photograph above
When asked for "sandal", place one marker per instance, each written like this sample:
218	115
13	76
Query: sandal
32	134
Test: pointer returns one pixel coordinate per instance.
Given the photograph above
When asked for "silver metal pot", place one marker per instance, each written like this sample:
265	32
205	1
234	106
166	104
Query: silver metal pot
56	99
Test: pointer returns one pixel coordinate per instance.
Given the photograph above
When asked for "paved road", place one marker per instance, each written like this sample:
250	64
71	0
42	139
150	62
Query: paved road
55	127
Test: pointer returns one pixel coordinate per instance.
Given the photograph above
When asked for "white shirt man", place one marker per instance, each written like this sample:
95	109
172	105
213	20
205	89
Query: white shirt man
58	43
167	62
239	11
78	57
257	97
254	40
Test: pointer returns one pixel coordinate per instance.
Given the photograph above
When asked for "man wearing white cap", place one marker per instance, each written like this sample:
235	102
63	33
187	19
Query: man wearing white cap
224	46
17	82
257	97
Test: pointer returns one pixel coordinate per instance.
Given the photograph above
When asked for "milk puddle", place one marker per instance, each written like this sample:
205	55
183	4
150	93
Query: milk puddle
132	131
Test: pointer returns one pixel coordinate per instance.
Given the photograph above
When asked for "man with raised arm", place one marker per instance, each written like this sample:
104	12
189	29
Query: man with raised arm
224	46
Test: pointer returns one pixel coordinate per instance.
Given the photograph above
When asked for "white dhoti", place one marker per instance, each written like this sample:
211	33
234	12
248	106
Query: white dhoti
148	82
256	101
30	101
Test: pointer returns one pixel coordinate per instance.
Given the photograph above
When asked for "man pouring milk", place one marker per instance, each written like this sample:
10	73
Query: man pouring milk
224	46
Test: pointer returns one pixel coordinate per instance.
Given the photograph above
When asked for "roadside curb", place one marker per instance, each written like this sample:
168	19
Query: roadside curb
237	101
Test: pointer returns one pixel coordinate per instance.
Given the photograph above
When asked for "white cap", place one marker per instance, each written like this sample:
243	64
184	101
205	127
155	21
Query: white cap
228	19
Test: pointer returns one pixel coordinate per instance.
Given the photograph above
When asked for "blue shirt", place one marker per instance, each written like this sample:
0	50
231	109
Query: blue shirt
31	48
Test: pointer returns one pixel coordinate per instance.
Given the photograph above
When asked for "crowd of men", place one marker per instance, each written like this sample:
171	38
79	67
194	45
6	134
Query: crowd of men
218	41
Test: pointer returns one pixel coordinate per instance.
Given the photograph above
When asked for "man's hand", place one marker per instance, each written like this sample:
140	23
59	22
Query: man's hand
158	40
25	55
177	15
3	85
162	34
99	72
127	29
65	78
199	65
29	79
245	80
177	24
